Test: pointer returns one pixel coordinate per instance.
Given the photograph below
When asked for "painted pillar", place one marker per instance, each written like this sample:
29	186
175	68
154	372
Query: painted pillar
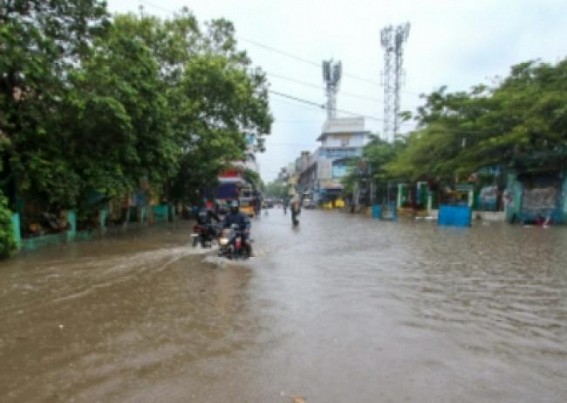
564	195
422	193
508	197
72	221
518	196
128	215
16	229
429	202
514	198
103	217
401	195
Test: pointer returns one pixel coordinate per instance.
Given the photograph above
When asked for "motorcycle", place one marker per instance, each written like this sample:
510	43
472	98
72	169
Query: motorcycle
231	243
204	235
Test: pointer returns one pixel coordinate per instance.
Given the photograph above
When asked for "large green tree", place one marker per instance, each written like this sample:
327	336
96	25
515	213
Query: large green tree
93	106
216	100
121	131
40	41
519	122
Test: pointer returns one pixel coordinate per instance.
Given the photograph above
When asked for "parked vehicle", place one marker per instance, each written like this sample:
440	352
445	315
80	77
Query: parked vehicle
231	244
247	206
308	204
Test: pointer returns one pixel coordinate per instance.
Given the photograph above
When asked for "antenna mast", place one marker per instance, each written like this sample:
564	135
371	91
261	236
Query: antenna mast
332	77
392	40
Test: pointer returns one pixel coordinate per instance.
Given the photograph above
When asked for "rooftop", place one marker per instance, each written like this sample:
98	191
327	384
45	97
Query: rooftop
342	125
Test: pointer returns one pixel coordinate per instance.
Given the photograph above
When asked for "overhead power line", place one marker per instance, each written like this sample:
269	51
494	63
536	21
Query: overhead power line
292	56
322	106
301	59
155	6
320	87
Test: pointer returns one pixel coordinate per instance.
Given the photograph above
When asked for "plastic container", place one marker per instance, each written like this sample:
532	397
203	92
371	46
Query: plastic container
457	216
377	211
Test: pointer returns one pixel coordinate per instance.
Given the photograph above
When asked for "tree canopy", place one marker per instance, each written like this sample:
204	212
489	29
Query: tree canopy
94	104
518	123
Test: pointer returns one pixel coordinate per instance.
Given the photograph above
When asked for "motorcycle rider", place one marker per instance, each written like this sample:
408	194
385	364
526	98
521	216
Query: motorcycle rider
206	216
234	216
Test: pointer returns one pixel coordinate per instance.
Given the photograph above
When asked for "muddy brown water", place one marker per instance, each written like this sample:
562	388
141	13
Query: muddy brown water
341	309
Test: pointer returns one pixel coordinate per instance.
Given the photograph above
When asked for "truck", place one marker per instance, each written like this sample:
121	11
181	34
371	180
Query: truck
237	188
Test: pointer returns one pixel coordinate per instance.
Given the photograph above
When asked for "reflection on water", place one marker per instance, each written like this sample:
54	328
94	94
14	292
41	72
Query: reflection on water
341	308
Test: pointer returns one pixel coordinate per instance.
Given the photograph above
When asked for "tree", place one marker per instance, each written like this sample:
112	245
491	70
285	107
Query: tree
276	189
39	42
7	241
90	106
130	138
520	122
214	96
373	165
220	102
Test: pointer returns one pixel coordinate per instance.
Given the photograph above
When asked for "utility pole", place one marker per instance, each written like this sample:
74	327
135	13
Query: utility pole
332	77
392	39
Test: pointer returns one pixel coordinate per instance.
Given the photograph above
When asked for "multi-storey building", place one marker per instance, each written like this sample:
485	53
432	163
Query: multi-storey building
321	172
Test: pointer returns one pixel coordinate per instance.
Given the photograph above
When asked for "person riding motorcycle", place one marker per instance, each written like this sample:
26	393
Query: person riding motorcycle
234	216
207	218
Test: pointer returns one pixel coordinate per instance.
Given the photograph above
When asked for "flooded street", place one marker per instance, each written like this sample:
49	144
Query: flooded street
341	309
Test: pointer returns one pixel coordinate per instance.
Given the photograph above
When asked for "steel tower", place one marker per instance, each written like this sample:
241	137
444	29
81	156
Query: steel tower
332	77
392	39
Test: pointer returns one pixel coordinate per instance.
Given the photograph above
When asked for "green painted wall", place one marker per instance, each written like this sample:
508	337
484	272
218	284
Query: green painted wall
160	213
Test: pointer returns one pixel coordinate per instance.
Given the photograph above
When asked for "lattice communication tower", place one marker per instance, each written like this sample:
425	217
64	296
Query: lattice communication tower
392	39
332	77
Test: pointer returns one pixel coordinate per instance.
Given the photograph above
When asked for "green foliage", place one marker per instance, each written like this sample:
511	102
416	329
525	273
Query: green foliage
276	189
459	133
7	241
376	157
89	105
253	178
40	42
130	137
215	99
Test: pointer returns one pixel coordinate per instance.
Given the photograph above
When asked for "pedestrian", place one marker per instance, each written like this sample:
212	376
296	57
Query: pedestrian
295	207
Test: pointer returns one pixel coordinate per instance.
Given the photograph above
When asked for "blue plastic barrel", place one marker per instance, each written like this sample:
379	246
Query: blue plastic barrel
377	211
457	216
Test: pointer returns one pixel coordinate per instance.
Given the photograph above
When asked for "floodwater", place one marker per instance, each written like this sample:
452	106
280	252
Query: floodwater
341	309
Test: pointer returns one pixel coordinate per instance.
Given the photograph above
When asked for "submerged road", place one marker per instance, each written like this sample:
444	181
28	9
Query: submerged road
341	309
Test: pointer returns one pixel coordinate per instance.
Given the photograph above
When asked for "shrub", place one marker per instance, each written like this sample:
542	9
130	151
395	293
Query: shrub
7	241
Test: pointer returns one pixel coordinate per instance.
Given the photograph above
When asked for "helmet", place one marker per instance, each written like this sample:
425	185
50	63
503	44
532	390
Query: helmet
234	206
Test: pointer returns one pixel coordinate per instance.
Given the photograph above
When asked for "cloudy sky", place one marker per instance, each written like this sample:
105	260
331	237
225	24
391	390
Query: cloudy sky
457	43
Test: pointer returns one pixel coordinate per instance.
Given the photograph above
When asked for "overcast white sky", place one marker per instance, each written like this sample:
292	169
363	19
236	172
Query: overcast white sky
458	43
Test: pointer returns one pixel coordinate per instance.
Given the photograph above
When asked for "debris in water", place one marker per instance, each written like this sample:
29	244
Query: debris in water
297	399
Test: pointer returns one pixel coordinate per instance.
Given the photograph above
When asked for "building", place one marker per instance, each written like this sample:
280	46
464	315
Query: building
320	173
